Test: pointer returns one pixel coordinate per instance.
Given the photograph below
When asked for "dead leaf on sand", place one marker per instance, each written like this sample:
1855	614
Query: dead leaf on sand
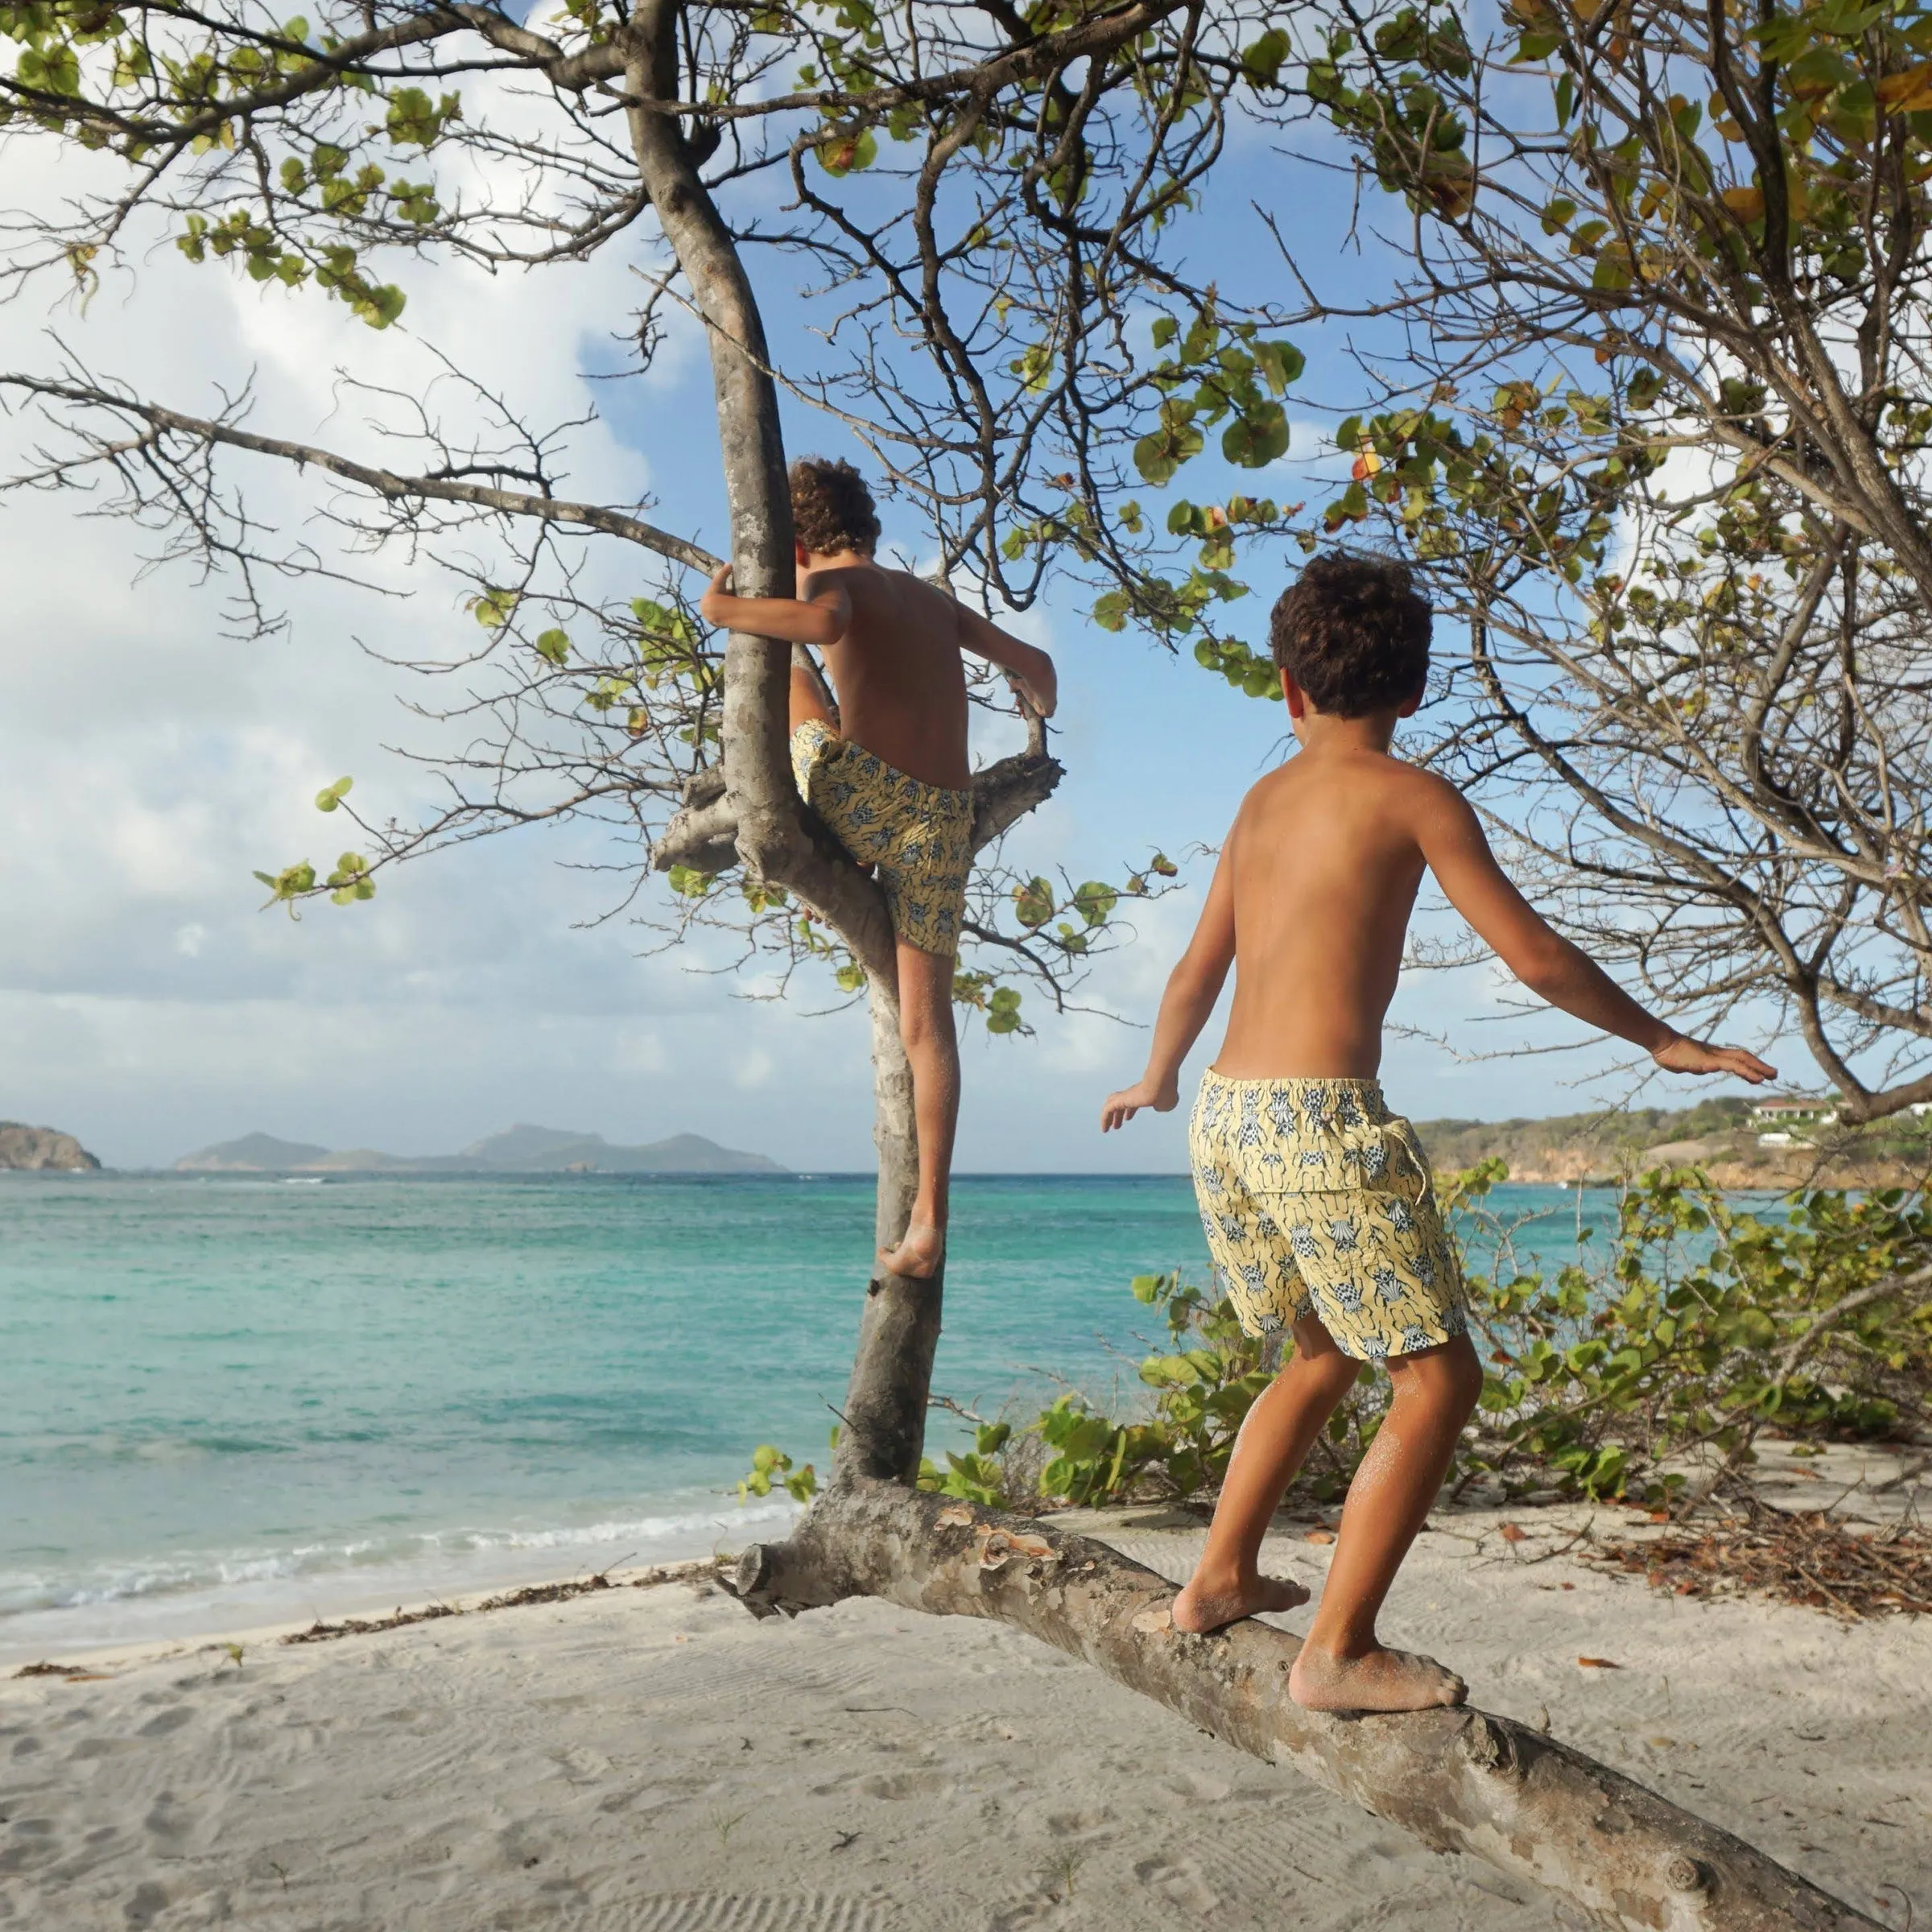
1320	1535
1598	1663
1511	1534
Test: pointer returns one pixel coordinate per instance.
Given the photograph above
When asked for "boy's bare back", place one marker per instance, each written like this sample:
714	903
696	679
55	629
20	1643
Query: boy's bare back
1322	863
1312	900
896	669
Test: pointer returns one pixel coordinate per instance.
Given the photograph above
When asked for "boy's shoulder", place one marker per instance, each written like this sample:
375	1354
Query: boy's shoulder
1359	775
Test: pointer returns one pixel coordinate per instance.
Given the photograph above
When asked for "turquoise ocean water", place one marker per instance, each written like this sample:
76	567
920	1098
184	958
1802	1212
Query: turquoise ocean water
233	1400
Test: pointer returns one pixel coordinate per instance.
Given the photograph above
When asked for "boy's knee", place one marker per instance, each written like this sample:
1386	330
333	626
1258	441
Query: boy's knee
1450	1376
1316	1355
922	1028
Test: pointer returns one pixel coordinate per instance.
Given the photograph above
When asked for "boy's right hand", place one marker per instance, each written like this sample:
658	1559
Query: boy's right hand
1681	1055
1043	696
711	606
1120	1107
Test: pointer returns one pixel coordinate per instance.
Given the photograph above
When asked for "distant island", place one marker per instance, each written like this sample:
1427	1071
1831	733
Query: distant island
42	1150
1734	1139
519	1150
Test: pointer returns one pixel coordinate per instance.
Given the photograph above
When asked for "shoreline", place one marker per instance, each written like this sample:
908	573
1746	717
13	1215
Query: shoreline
652	1760
202	1614
82	1663
1869	1484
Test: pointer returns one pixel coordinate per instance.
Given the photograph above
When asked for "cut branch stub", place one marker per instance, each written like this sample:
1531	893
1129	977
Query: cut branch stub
703	833
1462	1780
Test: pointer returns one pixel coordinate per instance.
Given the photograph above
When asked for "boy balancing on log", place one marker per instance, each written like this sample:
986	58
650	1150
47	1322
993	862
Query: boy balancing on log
888	774
1317	1200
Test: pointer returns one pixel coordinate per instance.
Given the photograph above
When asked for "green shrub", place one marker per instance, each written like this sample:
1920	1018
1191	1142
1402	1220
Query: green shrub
1704	1324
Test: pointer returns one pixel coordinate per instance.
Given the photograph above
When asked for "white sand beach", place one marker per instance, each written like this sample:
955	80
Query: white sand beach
651	1760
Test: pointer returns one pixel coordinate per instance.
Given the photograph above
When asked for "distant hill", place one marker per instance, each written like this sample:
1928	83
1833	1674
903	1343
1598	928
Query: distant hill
253	1153
42	1150
520	1149
1718	1135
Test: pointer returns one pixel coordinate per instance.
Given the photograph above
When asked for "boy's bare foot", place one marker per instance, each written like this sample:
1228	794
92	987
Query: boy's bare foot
918	1254
1198	1611
1378	1680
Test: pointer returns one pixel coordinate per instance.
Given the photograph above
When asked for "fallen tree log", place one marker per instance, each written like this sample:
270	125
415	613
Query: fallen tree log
1460	1780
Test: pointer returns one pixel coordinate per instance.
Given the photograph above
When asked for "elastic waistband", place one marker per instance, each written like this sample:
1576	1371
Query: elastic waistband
1361	1089
1302	1106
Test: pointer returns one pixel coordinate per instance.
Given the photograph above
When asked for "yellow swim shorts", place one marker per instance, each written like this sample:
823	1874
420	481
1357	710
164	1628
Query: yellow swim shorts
1318	1200
919	836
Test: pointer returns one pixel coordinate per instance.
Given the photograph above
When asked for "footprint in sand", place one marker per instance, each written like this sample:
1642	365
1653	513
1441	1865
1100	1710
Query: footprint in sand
1078	1824
903	1784
1179	1882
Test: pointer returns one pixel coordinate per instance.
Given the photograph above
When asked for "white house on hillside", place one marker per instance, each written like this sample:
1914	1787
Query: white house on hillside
1775	1117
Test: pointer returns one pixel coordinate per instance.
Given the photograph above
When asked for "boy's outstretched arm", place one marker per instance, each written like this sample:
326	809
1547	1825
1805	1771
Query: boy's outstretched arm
1452	842
819	617
1028	667
1192	989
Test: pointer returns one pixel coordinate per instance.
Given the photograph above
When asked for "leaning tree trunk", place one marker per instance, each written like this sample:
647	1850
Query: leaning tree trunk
1460	1780
882	1429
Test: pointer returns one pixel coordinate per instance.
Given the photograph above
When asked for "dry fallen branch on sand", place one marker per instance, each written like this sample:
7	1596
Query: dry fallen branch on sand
319	1632
1813	1560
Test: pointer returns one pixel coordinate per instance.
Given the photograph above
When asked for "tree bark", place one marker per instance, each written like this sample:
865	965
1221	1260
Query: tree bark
1461	1781
882	1429
768	827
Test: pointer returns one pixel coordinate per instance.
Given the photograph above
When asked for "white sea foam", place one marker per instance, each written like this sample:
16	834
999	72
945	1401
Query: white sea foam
43	1615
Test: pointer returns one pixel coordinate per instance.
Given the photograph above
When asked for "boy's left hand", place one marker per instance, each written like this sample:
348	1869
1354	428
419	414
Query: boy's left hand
1682	1056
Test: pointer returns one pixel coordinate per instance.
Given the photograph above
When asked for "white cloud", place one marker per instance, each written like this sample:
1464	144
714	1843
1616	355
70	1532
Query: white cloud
752	1070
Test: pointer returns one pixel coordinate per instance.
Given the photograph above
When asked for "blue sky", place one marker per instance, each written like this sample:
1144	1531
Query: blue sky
148	764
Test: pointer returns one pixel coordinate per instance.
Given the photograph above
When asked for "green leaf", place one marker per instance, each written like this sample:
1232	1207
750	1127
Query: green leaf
1280	363
1035	366
1161	452
1095	901
1035	902
494	608
330	796
1257	437
1261	60
554	644
847	151
1643	388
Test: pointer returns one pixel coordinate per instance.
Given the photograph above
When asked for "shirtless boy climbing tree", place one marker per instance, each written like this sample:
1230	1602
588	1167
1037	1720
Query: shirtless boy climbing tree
1317	1201
888	771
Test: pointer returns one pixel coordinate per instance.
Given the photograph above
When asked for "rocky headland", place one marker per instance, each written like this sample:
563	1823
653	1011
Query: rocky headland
42	1150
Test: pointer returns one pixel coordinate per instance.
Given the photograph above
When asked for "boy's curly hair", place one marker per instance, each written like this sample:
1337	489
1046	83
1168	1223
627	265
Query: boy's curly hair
831	508
1353	632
